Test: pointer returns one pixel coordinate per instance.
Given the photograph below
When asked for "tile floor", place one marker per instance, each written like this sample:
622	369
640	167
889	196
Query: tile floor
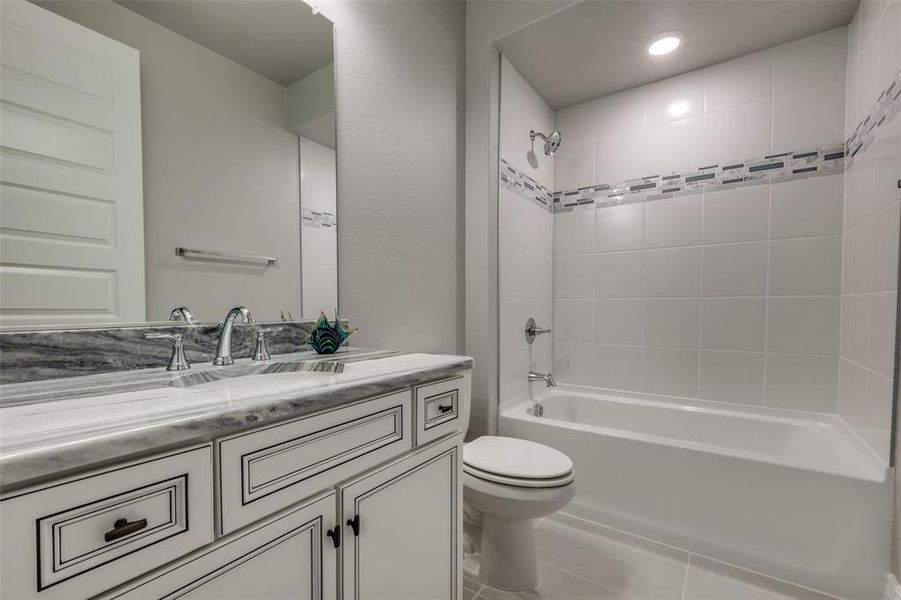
580	560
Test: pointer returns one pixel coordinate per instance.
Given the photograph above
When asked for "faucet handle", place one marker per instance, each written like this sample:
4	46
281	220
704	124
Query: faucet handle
533	331
177	361
262	351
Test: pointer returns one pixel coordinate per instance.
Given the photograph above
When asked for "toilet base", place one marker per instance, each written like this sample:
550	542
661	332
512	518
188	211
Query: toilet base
508	561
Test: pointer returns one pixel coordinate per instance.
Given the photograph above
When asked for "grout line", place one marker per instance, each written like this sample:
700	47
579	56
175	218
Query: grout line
772	98
703	244
746	297
641	368
685	579
591	581
856	435
766	303
766	578
723	350
623	532
701	274
689	555
865	368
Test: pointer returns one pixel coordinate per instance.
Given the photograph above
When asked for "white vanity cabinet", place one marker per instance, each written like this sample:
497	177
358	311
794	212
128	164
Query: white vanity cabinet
359	502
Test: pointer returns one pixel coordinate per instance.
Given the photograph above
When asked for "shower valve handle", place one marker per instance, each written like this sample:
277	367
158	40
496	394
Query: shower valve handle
533	331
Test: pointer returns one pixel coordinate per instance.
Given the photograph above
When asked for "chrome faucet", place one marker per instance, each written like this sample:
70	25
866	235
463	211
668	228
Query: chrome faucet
224	348
181	313
548	379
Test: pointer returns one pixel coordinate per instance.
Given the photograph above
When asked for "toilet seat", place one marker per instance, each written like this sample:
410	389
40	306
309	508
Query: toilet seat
527	483
516	462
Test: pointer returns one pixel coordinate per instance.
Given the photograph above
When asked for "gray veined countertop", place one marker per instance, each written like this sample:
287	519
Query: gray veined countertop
62	427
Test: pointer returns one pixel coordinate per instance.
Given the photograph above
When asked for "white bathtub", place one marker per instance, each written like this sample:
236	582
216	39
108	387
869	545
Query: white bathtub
793	495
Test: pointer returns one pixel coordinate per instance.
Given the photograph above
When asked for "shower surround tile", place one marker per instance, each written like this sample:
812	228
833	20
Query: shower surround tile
870	226
726	175
759	236
785	166
526	232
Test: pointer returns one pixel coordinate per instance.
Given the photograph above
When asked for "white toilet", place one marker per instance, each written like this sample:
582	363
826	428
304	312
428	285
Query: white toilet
508	482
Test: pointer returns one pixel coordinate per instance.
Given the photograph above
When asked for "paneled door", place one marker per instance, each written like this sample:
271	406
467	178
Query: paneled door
71	200
401	534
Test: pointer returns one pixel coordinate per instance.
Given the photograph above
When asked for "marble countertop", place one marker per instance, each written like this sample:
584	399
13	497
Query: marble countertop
58	428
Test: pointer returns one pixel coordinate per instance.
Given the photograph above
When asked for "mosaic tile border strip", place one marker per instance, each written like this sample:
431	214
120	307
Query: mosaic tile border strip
773	168
317	219
521	184
785	166
887	106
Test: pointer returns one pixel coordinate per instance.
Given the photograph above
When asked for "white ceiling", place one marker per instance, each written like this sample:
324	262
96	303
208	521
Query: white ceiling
597	47
279	39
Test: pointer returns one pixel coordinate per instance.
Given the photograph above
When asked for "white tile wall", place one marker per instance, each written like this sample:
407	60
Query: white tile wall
784	98
747	295
733	295
870	231
522	110
526	240
730	296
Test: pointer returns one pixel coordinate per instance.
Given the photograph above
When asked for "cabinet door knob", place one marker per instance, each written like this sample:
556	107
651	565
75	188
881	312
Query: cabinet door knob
122	528
355	524
335	534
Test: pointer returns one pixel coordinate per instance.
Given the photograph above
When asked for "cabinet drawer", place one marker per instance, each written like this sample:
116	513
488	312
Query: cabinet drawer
95	532
287	556
264	471
442	408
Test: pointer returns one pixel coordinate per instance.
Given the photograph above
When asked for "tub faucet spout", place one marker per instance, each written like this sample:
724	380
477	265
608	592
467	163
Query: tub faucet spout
547	379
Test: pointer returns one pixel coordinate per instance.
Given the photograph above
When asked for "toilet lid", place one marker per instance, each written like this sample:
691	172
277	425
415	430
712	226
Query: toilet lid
514	458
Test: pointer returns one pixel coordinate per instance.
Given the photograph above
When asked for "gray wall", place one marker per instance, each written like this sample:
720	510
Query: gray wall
399	85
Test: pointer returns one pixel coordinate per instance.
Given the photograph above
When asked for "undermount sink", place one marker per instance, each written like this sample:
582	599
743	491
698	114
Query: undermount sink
325	367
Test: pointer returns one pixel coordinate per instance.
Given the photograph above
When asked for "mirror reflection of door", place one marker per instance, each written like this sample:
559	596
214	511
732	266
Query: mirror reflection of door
228	126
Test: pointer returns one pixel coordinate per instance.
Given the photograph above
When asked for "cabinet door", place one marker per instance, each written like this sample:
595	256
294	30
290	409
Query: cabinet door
287	557
407	520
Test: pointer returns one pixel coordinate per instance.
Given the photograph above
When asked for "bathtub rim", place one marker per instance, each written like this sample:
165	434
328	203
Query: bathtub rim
869	466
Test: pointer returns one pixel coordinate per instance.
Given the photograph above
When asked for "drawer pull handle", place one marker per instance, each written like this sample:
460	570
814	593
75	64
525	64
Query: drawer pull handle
445	409
122	528
355	524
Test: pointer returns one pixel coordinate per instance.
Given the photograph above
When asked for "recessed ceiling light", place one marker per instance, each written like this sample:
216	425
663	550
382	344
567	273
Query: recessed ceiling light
665	43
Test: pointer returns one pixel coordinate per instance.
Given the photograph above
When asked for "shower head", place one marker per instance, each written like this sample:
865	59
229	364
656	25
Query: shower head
551	142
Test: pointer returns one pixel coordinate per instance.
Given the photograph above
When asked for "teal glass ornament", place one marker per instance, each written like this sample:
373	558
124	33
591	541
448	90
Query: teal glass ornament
326	338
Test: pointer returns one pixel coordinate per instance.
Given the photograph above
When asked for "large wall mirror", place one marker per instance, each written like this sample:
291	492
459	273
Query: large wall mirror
171	154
